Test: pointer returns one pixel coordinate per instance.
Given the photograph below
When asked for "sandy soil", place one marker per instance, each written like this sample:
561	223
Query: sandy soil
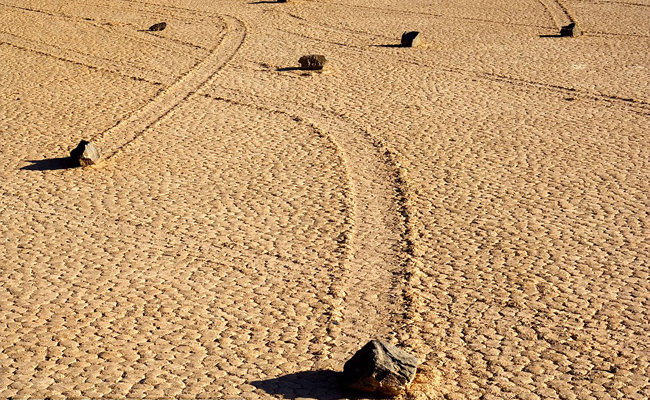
481	201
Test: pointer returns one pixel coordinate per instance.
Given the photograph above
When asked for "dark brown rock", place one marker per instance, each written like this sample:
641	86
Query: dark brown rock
158	27
86	153
380	368
312	61
571	30
411	39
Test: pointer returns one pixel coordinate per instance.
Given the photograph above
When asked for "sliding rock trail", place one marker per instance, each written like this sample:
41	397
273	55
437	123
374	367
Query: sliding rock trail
366	290
558	12
127	129
481	201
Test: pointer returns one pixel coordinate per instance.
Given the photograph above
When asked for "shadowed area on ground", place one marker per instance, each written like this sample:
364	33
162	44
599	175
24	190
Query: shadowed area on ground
51	164
320	385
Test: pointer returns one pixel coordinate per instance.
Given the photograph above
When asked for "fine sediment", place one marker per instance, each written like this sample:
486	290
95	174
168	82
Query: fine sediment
480	200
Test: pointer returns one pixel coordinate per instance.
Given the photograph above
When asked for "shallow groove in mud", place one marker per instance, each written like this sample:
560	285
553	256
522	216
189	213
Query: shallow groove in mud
392	191
565	10
77	58
136	123
108	27
557	12
634	105
123	68
336	290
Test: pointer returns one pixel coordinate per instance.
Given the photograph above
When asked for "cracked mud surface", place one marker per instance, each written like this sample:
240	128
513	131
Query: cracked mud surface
481	201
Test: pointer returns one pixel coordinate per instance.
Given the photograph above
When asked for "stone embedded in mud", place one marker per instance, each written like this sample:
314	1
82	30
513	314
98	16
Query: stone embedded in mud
411	39
571	30
86	153
312	61
158	27
380	368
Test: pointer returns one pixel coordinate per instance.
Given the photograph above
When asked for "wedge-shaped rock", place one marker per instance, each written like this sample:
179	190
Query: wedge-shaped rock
571	30
380	368
86	153
411	39
312	61
158	27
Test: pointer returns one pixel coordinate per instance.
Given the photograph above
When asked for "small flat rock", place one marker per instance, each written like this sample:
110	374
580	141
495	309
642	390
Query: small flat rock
86	153
570	30
158	27
381	369
411	39
312	61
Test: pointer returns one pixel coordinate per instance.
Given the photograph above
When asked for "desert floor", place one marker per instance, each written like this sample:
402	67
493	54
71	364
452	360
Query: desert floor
481	201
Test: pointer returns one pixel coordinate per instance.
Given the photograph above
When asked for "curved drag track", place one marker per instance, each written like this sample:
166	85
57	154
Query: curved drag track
481	201
201	74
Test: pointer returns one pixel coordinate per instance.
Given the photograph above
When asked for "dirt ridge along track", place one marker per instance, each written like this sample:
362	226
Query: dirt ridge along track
558	12
225	274
133	125
375	295
336	290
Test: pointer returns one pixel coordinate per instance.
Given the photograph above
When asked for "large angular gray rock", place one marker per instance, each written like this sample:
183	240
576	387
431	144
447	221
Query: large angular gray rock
411	39
312	61
571	30
86	153
158	27
380	368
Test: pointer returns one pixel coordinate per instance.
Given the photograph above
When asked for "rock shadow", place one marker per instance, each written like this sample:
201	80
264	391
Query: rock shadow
551	36
289	69
265	2
387	45
51	164
319	385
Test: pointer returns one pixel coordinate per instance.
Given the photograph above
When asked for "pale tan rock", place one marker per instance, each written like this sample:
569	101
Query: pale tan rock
86	153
